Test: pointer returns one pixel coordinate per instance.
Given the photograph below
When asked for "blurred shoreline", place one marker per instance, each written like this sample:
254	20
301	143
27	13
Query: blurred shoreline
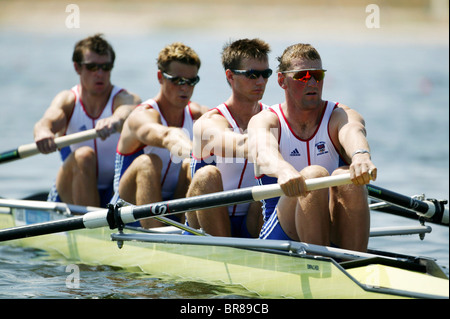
400	21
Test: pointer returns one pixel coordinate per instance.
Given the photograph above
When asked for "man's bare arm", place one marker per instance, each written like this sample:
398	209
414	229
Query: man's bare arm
53	121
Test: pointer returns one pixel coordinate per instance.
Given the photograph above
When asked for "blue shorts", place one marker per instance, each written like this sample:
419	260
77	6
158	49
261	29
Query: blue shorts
238	227
105	195
272	229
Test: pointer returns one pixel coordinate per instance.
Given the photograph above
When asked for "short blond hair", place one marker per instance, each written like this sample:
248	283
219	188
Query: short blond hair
179	52
295	51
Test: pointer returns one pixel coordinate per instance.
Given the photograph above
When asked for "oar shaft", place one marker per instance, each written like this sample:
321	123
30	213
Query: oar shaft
244	195
42	228
118	216
43	205
31	149
431	210
399	199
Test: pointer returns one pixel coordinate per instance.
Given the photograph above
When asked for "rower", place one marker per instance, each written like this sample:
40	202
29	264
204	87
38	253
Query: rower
151	163
307	137
220	157
86	175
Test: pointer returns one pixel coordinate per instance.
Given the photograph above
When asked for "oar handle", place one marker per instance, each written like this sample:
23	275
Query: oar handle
31	149
62	141
274	190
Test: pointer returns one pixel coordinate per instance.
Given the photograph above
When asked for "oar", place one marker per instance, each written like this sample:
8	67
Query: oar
431	210
31	149
81	210
115	217
49	206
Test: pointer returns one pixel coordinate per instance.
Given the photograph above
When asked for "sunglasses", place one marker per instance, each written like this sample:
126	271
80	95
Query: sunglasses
178	80
307	74
92	66
254	74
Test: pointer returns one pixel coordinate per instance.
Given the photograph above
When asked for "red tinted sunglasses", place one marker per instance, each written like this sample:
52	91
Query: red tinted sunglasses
306	74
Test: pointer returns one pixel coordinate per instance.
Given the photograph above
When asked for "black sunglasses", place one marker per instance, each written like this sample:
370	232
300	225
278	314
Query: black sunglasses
178	80
254	74
92	66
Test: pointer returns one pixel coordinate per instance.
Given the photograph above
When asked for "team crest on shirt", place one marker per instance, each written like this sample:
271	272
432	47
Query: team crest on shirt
321	148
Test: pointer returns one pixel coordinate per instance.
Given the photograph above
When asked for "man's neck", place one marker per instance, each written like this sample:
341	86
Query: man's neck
242	111
173	114
304	120
94	103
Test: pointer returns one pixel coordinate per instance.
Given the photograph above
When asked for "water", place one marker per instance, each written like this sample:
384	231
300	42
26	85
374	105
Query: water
400	89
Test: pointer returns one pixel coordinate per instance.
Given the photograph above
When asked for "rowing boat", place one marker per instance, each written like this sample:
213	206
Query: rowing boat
265	268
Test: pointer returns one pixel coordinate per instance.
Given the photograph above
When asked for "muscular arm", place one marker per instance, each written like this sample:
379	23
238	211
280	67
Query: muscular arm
145	126
124	104
263	131
214	135
349	129
53	121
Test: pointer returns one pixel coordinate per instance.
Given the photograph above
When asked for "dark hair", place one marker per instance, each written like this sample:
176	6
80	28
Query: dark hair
95	43
299	50
234	52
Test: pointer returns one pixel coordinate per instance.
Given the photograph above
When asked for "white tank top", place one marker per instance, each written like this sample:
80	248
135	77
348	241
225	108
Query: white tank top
171	163
236	172
317	150
105	150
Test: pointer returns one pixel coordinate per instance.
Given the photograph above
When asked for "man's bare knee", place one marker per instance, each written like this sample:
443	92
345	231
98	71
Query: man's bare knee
85	153
314	171
206	180
340	170
84	159
150	161
208	172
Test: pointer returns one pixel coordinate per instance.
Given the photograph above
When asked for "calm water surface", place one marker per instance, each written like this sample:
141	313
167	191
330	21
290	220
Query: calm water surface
401	90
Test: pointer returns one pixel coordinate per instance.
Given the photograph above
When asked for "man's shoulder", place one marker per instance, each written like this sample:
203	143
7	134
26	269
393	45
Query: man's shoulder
197	110
126	97
343	110
212	117
67	94
64	99
265	118
144	108
141	115
268	113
